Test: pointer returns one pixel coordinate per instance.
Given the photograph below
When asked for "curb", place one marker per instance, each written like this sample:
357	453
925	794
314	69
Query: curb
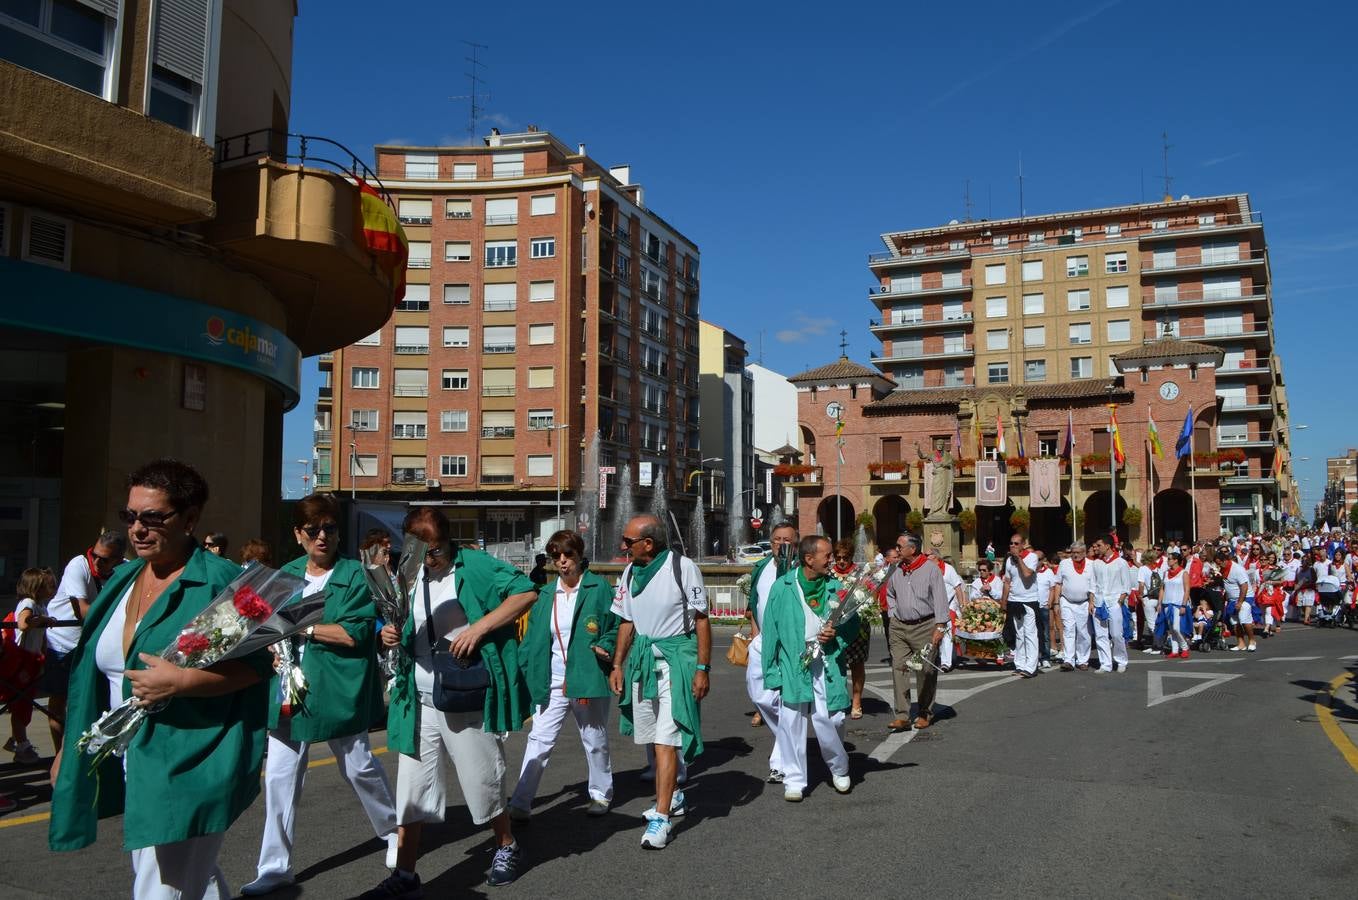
1341	741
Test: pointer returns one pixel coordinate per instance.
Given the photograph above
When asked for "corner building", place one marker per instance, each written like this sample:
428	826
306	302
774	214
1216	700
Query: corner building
168	253
546	303
1027	323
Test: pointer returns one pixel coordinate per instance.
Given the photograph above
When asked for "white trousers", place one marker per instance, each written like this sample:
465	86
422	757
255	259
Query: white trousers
769	703
1075	642
945	647
1109	638
828	728
478	758
1025	637
1174	639
284	775
184	870
592	720
1151	609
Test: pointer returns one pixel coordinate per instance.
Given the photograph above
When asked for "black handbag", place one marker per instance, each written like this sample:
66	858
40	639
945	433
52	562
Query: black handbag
460	685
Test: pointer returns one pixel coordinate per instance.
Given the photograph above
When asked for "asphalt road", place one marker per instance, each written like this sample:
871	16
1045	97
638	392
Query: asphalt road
1147	783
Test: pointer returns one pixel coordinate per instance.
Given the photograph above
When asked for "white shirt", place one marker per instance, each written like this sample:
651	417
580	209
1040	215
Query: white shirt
563	609
1112	579
992	591
32	639
450	620
1175	588
1327	576
951	582
1076	586
1046	580
658	611
108	653
1290	570
1018	591
761	601
76	581
1235	581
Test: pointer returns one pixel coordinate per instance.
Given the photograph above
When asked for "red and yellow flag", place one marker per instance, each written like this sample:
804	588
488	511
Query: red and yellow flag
1118	456
385	237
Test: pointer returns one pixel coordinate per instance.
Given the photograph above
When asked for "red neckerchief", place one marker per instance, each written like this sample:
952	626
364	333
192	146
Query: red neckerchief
1174	572
1078	565
943	567
914	564
986	581
1110	557
1226	568
835	568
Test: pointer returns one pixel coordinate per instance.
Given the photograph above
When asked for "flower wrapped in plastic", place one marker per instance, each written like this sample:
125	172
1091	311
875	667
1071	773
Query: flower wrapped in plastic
858	595
260	607
981	629
392	592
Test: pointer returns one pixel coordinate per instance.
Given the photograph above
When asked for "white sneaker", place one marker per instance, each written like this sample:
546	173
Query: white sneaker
392	840
267	884
1045	664
677	807
842	783
597	808
657	833
1251	648
792	796
1150	650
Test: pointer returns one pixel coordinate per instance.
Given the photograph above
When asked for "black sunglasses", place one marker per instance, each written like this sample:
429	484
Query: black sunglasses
628	542
150	518
435	552
312	531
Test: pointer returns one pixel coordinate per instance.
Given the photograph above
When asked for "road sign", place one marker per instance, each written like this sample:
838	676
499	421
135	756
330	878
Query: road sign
756	513
756	523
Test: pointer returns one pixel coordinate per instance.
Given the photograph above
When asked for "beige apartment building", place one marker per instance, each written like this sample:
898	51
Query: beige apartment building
546	304
1341	485
1022	304
168	252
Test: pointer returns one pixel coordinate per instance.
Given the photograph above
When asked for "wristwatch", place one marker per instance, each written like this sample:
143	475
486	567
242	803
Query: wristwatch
310	632
704	667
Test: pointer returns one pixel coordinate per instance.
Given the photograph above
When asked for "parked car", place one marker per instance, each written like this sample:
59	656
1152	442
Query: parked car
750	553
765	546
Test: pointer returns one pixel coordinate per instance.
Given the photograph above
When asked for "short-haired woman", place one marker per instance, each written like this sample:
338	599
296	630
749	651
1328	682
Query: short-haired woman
343	697
566	655
256	550
194	767
473	600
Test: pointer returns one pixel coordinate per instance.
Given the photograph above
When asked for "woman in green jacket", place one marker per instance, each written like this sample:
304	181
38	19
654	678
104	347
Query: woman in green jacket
566	656
343	697
194	766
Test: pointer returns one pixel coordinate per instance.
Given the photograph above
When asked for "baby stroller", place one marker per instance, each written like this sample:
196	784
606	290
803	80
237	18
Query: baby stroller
1328	607
1214	635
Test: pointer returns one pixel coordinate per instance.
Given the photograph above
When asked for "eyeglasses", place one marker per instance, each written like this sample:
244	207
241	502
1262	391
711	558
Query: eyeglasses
569	554
436	552
628	542
1015	543
149	517
313	531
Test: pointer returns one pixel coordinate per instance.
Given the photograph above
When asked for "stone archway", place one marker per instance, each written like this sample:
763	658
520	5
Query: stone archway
1173	516
1097	519
835	526
993	527
1049	530
888	516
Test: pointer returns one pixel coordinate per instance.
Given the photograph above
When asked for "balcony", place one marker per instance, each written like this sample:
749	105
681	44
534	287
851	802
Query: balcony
898	356
497	431
882	294
1158	300
407	476
1220	333
497	479
499	305
814	478
323	436
410	390
1224	223
409	432
510	219
325	392
498	348
1155	266
287	213
1247	408
497	390
322	479
889	259
919	323
325	358
1245	368
411	349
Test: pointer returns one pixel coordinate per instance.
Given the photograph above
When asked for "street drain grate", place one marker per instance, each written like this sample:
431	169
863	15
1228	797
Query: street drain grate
1217	695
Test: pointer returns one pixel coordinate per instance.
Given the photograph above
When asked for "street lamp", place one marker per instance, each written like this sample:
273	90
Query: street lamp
557	464
711	487
306	473
353	458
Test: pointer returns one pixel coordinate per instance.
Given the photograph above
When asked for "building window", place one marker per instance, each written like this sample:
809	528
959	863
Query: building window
910	378
457	251
456	336
363	419
498	383
372	340
1034	304
1076	234
956	246
1048	443
1119	330
497	470
415	300
1112	231
1220	287
540	419
1114	263
62	39
1215	252
539	291
455	379
453	466
994	274
502	211
952	278
997	373
1164	258
1035	336
1077	266
908	314
1000	241
541	376
500	297
996	307
365	465
954	376
539	466
542	334
464	172
1159	224
1117	297
954	342
1077	300
1080	333
453	420
407	470
415	212
422	166
542	248
953	310
497	423
407	425
458	209
457	294
419	255
1035	370
1037	238
507	165
1207	220
1032	270
997	339
542	205
498	339
364	377
412	339
1081	367
501	254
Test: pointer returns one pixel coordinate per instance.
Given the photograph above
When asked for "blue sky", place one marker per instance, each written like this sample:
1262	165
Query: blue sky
785	138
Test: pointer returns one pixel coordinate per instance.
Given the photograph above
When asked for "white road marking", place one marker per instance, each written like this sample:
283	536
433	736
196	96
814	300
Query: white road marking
1289	658
1155	688
945	696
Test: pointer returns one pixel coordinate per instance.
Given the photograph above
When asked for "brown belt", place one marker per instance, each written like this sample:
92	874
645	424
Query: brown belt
928	618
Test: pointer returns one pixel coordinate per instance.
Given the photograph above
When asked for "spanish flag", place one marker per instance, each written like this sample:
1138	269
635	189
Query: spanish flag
1156	449
1118	456
1277	461
1000	450
385	237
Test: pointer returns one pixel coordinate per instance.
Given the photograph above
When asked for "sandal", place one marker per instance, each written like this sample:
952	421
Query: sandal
756	720
856	712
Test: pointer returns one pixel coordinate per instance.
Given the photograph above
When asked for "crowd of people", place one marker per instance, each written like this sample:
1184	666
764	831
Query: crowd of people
487	650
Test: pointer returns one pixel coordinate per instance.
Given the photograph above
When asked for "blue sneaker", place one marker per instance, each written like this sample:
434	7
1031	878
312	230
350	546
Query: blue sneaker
677	807
657	833
505	867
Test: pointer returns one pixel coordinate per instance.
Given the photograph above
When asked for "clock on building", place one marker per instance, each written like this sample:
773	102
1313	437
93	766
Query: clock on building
834	409
1169	391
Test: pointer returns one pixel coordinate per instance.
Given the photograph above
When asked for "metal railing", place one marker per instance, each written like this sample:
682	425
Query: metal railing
416	220
497	391
512	219
407	476
412	349
893	290
1162	297
502	262
497	431
498	348
496	479
1202	260
287	146
412	306
410	432
1254	330
410	390
499	305
925	320
322	435
420	262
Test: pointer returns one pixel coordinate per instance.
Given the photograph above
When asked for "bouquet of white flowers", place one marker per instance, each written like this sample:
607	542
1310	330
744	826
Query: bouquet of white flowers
860	594
391	593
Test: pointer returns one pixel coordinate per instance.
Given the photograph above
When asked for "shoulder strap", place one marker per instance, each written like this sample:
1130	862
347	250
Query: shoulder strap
683	594
429	617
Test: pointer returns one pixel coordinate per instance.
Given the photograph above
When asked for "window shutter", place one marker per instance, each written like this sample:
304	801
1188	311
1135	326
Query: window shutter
107	7
181	38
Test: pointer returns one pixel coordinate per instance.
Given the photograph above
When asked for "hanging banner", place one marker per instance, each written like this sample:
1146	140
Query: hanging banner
1044	483
768	486
990	487
646	471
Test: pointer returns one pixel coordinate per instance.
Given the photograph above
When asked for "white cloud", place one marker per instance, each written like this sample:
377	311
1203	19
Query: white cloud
808	327
1218	160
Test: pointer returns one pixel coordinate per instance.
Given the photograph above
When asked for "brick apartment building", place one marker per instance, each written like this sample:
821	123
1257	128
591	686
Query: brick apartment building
546	303
1153	307
1341	486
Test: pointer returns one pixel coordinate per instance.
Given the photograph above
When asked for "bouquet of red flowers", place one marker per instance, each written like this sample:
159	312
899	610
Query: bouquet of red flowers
260	607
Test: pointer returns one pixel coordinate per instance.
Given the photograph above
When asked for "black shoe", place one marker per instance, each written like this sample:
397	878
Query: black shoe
505	867
395	887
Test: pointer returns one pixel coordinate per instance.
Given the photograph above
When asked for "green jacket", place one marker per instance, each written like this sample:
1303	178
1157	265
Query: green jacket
681	653
194	766
483	583
344	693
592	625
784	633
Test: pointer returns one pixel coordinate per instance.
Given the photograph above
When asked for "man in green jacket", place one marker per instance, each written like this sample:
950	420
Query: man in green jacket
566	655
816	692
662	675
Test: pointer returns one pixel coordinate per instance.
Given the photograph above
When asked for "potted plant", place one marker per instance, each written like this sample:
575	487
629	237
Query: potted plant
1020	518
865	519
1131	516
1094	462
788	470
967	519
1016	464
1204	460
1230	457
888	471
914	521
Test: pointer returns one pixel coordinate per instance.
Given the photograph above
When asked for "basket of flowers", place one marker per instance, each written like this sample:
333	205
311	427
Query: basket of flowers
980	630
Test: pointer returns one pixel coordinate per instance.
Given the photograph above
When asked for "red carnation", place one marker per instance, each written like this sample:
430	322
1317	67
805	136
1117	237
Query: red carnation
191	643
251	605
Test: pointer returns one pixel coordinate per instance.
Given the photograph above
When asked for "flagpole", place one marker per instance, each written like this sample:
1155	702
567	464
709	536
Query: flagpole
1112	473
1070	461
1192	478
1150	489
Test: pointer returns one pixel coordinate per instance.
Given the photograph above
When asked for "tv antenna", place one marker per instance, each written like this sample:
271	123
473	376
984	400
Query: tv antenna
476	97
1165	145
966	201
